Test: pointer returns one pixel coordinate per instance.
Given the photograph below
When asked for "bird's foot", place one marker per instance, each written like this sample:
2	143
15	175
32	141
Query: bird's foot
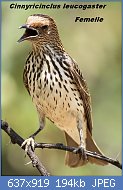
29	143
82	152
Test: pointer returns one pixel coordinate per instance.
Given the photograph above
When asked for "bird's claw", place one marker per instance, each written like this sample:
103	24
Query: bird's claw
29	143
81	151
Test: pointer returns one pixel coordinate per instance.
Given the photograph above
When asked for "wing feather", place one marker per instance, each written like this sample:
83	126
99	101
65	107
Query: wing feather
84	93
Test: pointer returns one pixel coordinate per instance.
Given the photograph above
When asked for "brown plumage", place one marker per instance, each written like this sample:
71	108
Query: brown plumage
58	88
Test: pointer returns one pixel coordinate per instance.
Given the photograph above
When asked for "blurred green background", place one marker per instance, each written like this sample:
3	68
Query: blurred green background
97	49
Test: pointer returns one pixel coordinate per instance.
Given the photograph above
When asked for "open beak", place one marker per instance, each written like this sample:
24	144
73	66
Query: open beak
29	33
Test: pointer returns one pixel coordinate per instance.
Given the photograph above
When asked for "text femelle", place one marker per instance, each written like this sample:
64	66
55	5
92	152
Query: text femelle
87	19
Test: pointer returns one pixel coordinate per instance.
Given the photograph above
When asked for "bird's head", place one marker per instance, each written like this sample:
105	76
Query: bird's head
39	28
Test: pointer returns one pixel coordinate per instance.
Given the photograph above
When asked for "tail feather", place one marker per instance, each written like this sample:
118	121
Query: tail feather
91	145
71	159
75	160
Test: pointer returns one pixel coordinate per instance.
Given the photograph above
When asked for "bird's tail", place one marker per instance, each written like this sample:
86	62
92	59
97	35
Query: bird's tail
71	159
75	160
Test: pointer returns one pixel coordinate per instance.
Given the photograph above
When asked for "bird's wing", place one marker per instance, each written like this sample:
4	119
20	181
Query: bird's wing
25	73
84	93
25	80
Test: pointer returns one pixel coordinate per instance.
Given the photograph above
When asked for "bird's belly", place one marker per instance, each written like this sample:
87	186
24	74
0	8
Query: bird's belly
58	102
56	109
62	107
64	119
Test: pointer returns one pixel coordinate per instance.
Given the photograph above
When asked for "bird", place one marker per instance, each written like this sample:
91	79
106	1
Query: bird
58	89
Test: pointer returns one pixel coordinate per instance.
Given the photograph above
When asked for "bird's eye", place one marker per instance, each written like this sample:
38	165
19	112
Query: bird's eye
45	27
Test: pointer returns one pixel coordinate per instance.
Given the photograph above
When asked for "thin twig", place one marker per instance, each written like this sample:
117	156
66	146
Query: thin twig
15	138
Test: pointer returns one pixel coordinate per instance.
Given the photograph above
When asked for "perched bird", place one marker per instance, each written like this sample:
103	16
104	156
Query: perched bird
58	89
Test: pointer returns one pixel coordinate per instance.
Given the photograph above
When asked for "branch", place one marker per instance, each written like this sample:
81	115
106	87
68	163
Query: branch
71	149
15	138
